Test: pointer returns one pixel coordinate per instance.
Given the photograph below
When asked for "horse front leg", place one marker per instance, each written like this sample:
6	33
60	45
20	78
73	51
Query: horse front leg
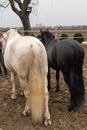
13	86
57	79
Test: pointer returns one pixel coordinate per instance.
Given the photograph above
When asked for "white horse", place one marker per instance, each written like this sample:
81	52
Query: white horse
26	56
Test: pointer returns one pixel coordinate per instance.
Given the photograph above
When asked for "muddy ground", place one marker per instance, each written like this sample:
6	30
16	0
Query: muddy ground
11	117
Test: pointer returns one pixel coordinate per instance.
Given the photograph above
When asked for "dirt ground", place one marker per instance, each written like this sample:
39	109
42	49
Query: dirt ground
11	117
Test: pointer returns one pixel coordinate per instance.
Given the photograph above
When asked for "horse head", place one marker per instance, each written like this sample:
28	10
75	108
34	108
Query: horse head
46	37
10	33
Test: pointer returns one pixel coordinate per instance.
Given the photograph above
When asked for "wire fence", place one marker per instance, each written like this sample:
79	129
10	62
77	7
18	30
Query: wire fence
57	33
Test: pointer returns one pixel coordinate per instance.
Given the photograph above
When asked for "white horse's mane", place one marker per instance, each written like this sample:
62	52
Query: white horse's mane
11	34
9	37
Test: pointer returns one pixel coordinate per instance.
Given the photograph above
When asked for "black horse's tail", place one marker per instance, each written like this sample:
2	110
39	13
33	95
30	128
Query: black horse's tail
76	83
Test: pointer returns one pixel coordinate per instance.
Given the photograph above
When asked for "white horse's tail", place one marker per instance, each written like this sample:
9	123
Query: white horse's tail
37	87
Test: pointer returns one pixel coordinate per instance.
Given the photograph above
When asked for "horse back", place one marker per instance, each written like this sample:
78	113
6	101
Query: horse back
68	51
22	51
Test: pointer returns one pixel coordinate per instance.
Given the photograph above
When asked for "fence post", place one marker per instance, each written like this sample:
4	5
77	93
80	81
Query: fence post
56	36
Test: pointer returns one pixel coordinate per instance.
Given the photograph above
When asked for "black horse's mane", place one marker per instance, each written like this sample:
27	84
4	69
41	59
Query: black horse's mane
49	34
47	38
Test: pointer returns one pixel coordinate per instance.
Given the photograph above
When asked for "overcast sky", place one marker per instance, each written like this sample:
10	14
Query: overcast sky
51	12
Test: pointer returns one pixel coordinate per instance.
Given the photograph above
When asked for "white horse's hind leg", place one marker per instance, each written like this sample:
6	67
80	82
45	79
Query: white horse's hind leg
27	107
24	85
13	86
47	113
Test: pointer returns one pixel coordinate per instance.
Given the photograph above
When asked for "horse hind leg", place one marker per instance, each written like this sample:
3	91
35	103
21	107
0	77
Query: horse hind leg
48	76
27	106
47	113
24	88
57	79
13	86
69	79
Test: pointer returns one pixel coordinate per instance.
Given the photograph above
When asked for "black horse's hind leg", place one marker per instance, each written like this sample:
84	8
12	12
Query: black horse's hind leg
66	77
57	79
72	103
49	86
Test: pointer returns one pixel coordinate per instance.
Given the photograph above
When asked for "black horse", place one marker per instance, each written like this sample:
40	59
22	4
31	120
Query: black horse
67	56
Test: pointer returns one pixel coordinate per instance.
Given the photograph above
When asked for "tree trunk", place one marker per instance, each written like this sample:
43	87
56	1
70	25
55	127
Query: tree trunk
26	24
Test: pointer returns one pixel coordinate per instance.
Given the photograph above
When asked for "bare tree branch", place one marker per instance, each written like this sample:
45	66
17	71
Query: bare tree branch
34	2
19	3
14	8
26	3
4	4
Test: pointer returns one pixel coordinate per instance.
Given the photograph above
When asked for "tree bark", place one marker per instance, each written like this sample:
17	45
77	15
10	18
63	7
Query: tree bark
26	24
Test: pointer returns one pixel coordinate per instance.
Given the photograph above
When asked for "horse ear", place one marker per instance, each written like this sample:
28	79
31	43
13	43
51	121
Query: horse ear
41	31
47	29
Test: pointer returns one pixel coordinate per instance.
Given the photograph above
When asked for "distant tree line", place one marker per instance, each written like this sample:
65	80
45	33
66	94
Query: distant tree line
40	26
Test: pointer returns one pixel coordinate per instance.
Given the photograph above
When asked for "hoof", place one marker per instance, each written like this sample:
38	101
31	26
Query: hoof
57	90
22	93
26	113
47	122
13	97
71	107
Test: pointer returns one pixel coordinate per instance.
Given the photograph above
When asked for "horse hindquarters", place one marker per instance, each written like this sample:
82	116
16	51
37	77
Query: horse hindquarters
76	83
